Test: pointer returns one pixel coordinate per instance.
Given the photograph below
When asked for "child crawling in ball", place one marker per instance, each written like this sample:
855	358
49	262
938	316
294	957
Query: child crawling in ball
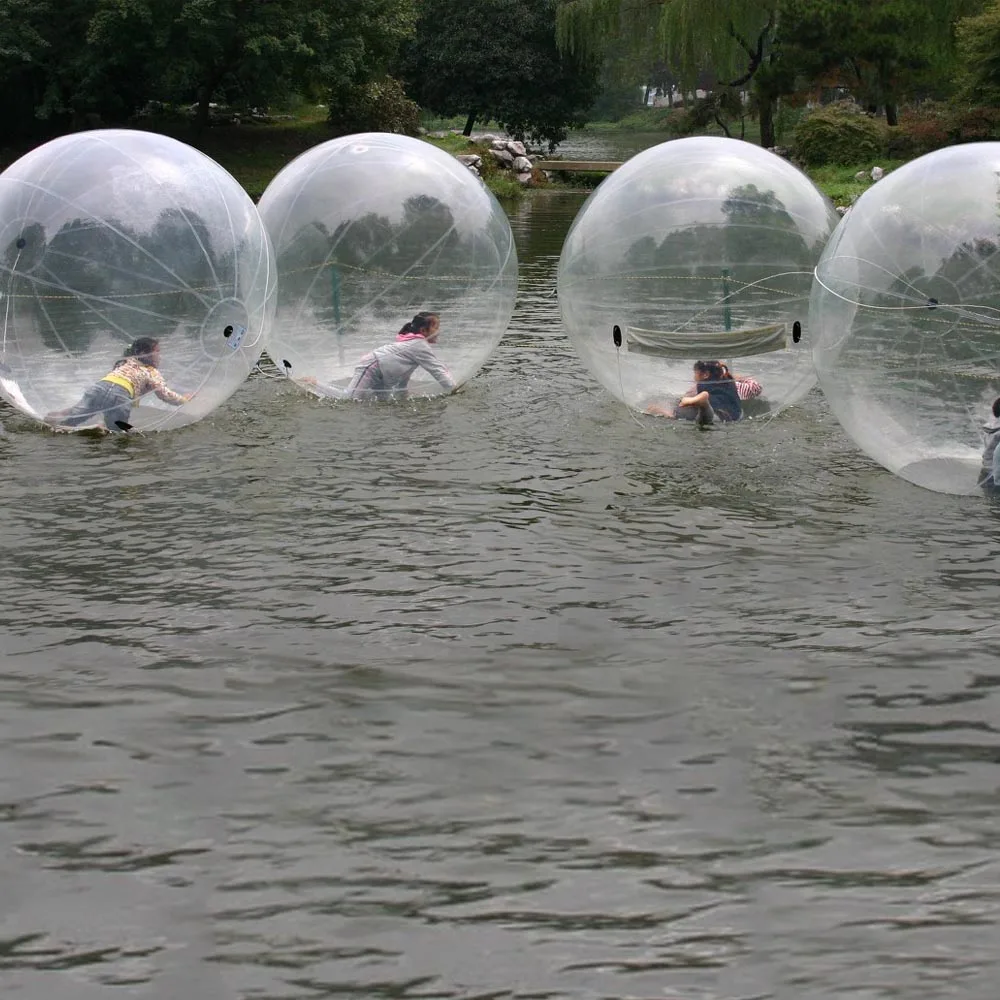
111	398
716	395
989	474
385	372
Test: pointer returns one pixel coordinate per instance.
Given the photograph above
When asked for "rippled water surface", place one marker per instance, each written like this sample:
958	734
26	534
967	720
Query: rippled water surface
596	144
505	695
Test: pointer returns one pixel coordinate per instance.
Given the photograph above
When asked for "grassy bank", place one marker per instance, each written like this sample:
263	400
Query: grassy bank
254	152
838	183
841	186
499	181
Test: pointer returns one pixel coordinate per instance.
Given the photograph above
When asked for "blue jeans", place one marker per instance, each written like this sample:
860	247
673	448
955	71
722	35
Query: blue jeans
102	399
699	414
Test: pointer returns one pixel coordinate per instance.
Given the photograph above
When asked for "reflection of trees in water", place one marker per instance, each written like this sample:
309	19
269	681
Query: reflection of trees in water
760	229
972	270
302	264
25	249
105	277
732	260
370	263
960	316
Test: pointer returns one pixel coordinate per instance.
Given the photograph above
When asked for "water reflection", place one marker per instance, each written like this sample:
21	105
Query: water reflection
89	279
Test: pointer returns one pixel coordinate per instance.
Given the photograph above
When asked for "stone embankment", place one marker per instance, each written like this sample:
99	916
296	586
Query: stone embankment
509	154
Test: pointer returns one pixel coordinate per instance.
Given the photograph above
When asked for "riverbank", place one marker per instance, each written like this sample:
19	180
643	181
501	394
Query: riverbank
254	152
841	184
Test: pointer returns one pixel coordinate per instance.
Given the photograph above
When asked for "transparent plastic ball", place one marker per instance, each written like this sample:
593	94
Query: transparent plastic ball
905	314
695	249
368	231
114	235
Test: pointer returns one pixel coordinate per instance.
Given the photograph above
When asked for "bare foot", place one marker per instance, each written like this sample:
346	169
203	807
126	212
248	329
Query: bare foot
659	410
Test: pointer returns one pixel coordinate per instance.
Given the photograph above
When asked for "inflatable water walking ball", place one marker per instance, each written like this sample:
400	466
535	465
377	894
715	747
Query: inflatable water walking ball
369	230
111	235
905	315
696	249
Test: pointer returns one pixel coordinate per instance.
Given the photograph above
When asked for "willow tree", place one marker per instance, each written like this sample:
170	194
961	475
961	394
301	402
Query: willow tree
734	39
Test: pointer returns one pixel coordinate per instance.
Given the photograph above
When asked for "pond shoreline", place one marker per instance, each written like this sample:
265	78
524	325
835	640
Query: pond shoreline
254	154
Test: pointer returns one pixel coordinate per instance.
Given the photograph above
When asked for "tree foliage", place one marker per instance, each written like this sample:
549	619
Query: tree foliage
838	133
77	60
733	38
498	59
21	42
978	39
377	106
532	65
689	35
882	50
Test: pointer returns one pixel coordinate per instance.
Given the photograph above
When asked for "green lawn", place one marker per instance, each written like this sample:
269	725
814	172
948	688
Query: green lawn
253	153
839	183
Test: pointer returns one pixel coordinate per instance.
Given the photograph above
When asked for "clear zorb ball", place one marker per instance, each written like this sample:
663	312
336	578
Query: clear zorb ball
905	314
696	249
112	235
369	230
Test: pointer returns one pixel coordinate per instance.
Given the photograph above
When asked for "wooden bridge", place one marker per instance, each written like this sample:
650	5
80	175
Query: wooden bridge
579	166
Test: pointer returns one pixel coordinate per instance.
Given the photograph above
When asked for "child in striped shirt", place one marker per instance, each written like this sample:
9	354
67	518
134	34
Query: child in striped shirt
715	379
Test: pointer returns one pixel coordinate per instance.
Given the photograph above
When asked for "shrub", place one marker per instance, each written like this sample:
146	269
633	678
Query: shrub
975	124
922	128
379	106
933	125
837	133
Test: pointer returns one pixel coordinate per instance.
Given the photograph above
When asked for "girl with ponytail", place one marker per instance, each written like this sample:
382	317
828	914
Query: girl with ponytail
385	372
715	396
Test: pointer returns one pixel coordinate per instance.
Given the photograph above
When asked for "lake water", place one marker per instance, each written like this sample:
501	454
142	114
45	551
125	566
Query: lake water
607	145
509	695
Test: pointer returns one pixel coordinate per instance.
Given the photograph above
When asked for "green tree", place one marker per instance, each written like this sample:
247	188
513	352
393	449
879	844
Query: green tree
883	51
626	81
498	59
251	51
633	70
22	50
71	73
80	61
978	40
19	36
